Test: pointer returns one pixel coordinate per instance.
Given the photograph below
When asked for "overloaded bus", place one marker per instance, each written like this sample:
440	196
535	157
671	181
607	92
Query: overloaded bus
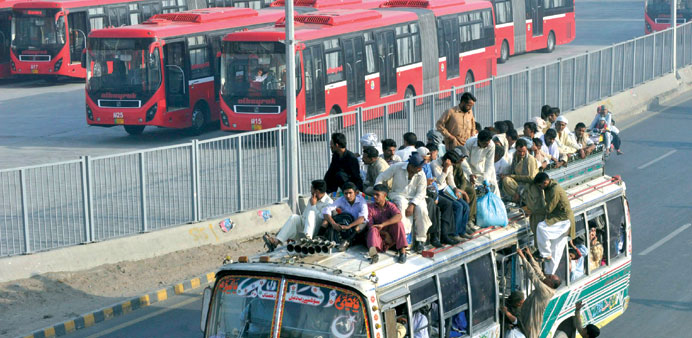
347	59
454	291
657	14
528	25
164	72
5	36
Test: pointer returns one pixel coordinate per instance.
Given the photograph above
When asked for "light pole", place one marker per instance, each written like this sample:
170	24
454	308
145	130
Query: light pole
291	110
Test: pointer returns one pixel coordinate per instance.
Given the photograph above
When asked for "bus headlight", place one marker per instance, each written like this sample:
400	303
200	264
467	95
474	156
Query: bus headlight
648	28
224	119
58	64
151	113
90	114
13	66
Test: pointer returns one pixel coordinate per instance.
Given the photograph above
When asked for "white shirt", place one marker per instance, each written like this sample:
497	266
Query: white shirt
444	178
395	159
322	203
502	167
414	190
480	161
553	150
419	322
405	153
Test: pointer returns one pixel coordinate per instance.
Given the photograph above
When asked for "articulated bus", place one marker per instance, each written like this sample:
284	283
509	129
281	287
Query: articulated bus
657	14
454	291
528	25
164	72
48	37
5	36
355	58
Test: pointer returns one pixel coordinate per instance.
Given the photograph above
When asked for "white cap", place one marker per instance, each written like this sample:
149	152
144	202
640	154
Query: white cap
423	152
562	119
369	139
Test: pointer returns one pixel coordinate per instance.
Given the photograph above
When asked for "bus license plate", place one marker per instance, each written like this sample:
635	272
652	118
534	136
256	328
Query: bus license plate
119	121
34	71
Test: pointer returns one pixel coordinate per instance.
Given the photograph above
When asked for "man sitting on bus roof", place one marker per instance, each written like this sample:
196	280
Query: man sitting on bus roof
374	166
566	143
385	228
409	147
344	166
552	233
353	204
523	169
389	151
308	223
583	139
480	166
408	193
531	313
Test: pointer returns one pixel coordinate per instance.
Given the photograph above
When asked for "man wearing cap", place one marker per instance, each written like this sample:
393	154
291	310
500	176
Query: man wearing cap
408	193
457	124
566	144
436	138
605	123
375	165
523	169
480	166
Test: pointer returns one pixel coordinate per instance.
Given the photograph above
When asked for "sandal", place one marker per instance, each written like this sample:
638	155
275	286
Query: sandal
268	243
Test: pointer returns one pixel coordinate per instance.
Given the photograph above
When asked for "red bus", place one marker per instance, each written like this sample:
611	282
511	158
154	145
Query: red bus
657	14
546	23
356	58
5	36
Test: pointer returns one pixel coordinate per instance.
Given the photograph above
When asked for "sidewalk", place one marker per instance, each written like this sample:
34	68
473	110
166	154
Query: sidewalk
35	303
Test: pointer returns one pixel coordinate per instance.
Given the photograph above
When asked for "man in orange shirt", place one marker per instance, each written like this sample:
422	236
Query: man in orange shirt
457	124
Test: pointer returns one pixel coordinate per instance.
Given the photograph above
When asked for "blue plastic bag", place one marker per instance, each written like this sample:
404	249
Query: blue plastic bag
490	210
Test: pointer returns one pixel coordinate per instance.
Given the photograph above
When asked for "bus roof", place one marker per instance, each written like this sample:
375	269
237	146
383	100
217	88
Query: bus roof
325	23
352	268
192	22
66	3
324	4
439	7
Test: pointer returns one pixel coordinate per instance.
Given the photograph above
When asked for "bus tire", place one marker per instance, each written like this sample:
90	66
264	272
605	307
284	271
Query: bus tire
468	80
504	52
550	47
134	130
199	119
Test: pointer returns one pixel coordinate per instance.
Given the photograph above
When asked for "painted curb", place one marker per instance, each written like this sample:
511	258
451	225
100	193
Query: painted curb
121	308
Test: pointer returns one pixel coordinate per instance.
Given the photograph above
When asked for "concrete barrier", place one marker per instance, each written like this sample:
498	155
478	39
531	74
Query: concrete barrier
246	225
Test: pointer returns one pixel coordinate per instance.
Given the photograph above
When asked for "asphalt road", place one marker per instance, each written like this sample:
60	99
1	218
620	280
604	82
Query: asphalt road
43	123
658	148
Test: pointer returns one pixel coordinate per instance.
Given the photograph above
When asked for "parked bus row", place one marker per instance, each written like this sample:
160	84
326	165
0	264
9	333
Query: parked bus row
657	14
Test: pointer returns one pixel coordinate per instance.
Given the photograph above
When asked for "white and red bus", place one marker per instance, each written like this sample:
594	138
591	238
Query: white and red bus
528	25
5	36
125	86
657	14
355	58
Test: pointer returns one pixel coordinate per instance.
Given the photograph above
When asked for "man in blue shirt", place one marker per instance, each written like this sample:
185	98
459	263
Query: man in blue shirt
353	204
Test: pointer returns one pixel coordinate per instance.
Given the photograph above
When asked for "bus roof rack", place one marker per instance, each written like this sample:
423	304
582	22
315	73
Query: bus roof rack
205	15
319	4
334	18
429	4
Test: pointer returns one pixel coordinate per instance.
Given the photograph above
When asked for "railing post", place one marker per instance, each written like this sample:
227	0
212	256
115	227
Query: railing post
511	98
454	96
194	167
622	88
545	85
409	112
653	57
359	124
588	77
279	165
634	63
143	191
528	94
239	172
493	99
663	52
86	206
612	69
600	75
329	137
574	83
432	112
90	199
385	116
559	83
25	212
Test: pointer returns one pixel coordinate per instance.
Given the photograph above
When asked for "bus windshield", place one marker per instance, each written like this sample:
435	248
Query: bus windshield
246	306
123	67
254	72
37	29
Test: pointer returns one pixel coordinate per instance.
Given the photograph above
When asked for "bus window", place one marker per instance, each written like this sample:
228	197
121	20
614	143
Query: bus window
597	236
370	53
426	311
455	301
482	285
332	55
616	228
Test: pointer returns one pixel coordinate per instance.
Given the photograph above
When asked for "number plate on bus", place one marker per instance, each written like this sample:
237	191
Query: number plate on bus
34	71
119	121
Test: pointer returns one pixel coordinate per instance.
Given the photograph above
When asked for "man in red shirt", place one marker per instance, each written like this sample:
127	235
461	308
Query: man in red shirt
385	229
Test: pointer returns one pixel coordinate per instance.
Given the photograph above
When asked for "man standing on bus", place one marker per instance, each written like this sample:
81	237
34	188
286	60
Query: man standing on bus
531	314
552	233
408	193
344	166
385	228
457	124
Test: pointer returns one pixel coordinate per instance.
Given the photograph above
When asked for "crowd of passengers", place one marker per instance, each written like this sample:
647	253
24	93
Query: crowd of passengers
403	198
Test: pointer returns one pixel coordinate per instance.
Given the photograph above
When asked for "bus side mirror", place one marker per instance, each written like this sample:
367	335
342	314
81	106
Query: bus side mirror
205	308
152	47
83	60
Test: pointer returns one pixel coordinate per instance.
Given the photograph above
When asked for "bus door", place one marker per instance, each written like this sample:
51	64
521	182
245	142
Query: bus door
451	44
313	61
386	47
78	32
177	94
118	16
537	17
355	69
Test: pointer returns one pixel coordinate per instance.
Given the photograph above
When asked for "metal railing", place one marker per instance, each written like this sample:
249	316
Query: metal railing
99	198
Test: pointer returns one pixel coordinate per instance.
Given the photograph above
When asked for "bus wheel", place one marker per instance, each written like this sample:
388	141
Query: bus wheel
504	52
551	43
199	120
134	130
468	80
